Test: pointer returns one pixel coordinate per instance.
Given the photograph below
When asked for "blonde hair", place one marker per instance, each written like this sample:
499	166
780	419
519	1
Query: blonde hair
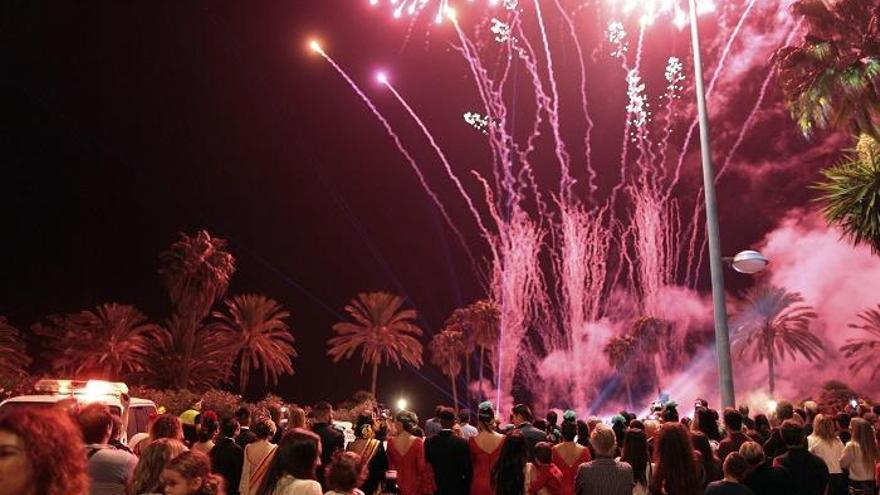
154	457
823	427
603	440
297	418
191	465
863	437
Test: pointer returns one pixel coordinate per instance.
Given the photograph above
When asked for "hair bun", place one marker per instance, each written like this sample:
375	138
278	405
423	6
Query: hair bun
485	412
569	416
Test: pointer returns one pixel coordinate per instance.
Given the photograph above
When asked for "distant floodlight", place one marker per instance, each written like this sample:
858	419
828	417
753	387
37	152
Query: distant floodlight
749	262
401	404
771	406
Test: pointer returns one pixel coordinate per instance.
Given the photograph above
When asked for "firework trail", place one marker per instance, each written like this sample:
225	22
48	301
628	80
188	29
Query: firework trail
315	47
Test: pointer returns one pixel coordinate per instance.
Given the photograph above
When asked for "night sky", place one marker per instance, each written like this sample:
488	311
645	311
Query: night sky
125	123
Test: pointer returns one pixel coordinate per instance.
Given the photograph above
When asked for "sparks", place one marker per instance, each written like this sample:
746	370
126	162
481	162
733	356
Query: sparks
315	46
501	30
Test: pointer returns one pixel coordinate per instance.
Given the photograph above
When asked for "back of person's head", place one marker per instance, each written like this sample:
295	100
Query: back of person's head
823	427
508	474
264	428
95	421
603	441
702	445
569	426
736	467
540	424
552	418
243	415
116	429
447	418
297	418
229	427
743	410
792	433
322	412
192	469
762	422
708	423
863	435
208	426
635	453
523	411
784	410
811	408
408	422
544	452
486	416
670	414
733	419
364	427
583	432
464	417
296	455
53	447
166	426
274	412
676	465
345	473
843	419
147	476
753	453
437	411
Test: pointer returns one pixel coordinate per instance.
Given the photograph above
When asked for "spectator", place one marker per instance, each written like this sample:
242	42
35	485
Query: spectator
227	457
406	455
764	479
522	421
257	457
604	475
554	434
245	436
677	466
825	444
583	435
41	454
569	455
733	423
509	473
166	426
809	472
735	470
636	454
762	429
276	414
432	425
294	467
468	430
707	422
860	456
190	474
297	418
209	425
811	410
332	440
345	474
370	451
449	457
710	466
485	450
116	434
842	421
775	445
110	469
545	478
147	477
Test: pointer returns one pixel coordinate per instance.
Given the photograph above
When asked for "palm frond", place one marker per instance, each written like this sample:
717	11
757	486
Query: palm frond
13	354
865	352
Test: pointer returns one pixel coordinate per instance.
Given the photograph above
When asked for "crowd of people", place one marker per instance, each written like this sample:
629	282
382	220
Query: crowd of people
793	451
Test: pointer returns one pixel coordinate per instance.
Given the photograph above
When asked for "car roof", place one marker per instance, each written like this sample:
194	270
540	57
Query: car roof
49	398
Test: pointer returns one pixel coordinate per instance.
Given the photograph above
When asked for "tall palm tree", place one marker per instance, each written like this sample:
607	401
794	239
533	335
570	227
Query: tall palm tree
112	341
484	321
13	353
650	335
830	78
196	271
256	323
773	322
209	365
447	349
381	330
851	193
865	352
620	352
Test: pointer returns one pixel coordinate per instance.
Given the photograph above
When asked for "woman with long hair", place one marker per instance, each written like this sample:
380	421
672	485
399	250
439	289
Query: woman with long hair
711	467
676	472
509	473
706	421
860	456
41	453
190	474
635	453
209	425
257	456
294	466
406	456
485	450
568	455
371	453
147	476
825	444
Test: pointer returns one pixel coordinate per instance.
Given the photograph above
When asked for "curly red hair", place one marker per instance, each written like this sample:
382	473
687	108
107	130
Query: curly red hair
54	448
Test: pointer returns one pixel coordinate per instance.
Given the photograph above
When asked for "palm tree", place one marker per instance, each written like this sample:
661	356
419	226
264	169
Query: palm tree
829	79
13	353
382	331
772	323
852	194
650	334
447	349
112	341
484	321
620	351
256	324
210	364
196	272
865	352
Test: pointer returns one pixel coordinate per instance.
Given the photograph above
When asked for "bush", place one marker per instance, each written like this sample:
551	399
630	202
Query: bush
221	402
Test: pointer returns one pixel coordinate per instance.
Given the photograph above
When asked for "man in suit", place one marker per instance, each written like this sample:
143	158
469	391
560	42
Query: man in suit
809	472
227	457
245	436
604	475
450	457
522	421
332	440
764	479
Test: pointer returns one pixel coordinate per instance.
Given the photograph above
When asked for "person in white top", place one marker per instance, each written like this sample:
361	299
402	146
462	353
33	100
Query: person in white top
860	455
345	474
825	444
294	467
256	454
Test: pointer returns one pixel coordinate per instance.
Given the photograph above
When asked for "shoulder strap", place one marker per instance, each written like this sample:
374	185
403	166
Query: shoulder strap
91	452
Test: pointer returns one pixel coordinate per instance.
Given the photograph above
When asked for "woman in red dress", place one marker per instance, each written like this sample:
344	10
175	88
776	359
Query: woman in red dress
568	455
406	455
485	449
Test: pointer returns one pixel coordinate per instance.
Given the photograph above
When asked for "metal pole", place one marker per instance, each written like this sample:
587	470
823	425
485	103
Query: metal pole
716	265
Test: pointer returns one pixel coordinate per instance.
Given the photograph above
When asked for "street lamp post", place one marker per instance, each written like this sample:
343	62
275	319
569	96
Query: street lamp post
716	265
